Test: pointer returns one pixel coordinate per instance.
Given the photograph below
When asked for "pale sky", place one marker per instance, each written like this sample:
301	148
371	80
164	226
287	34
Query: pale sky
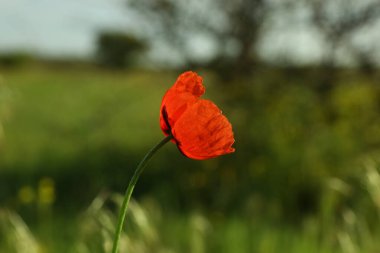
56	27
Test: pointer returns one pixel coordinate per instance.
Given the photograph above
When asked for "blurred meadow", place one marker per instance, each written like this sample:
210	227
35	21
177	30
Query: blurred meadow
299	81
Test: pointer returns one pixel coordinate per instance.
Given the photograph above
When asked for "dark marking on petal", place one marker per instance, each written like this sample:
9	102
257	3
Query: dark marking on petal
166	119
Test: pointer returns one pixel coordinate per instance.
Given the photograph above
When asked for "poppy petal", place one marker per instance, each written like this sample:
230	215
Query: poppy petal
178	98
203	132
190	82
173	106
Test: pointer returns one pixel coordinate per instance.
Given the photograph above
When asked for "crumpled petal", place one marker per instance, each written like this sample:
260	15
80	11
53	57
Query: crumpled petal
199	128
173	106
203	132
185	92
190	82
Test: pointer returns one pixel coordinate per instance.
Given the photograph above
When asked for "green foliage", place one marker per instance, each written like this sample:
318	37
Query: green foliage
118	50
14	59
92	127
15	236
348	221
295	182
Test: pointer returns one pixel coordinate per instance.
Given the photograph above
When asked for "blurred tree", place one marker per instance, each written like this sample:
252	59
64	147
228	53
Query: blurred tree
15	59
338	21
232	26
118	50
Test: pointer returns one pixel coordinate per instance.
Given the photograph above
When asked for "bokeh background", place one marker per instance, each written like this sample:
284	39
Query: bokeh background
81	83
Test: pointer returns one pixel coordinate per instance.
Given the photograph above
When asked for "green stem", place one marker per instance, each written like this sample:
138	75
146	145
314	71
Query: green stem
131	186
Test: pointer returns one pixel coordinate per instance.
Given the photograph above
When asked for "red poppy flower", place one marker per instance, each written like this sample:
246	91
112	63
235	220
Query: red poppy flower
199	128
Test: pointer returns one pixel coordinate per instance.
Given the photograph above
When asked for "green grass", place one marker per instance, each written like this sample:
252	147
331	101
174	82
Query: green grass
83	130
149	229
60	112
